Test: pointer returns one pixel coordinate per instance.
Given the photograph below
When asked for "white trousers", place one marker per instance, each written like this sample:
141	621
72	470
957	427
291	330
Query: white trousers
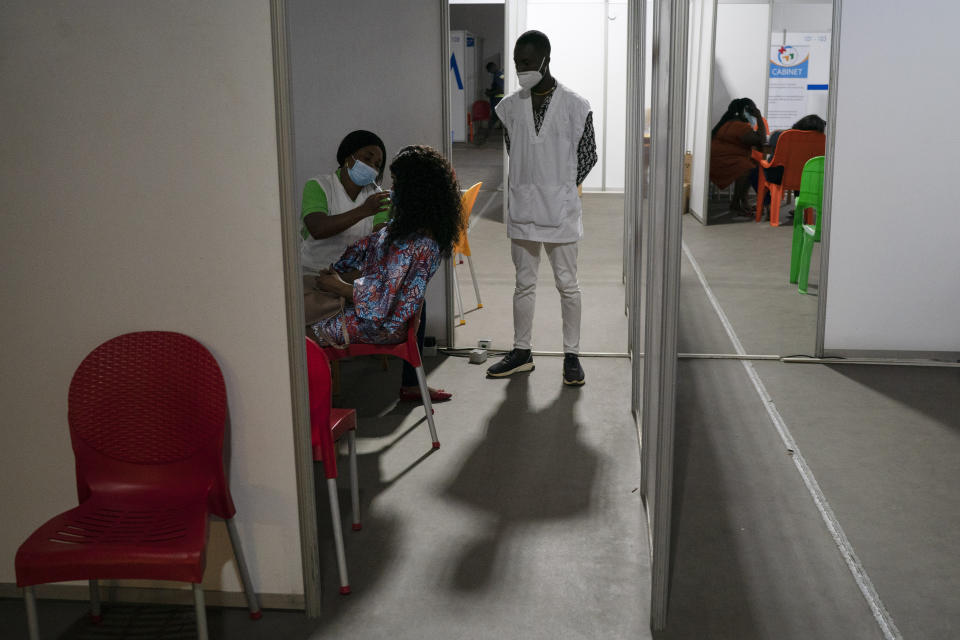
563	259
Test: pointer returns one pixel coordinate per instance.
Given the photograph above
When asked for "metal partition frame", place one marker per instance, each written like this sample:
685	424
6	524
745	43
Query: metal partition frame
662	244
448	264
828	179
296	334
705	207
633	167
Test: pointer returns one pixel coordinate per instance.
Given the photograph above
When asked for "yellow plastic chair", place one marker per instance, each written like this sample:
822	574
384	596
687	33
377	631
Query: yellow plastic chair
462	248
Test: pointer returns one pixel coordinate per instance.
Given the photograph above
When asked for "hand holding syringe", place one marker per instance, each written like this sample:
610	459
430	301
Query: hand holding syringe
384	206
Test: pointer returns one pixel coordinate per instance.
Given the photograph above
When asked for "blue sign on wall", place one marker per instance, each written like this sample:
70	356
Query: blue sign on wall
456	70
793	71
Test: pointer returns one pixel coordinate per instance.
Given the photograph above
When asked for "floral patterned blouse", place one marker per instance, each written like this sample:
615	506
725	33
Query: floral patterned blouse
388	293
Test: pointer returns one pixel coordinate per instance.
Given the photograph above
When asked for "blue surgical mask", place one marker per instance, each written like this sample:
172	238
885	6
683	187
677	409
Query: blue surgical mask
362	174
393	195
751	119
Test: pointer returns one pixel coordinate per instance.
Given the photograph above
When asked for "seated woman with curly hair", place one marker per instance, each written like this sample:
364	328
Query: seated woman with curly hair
390	268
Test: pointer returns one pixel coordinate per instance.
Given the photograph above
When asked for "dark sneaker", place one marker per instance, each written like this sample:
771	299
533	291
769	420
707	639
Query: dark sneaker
514	362
572	371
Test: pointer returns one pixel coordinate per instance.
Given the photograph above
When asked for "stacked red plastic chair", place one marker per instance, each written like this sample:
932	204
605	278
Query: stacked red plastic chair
327	425
146	413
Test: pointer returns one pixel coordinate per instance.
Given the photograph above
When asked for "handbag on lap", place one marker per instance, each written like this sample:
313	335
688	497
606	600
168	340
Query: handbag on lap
320	304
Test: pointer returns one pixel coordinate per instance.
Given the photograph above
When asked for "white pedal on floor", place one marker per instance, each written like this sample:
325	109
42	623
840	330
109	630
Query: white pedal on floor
478	356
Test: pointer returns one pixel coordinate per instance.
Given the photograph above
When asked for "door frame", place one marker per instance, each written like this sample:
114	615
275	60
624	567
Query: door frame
293	298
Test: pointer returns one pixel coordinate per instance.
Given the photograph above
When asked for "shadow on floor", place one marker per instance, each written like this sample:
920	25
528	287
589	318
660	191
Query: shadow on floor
708	594
923	390
530	467
372	389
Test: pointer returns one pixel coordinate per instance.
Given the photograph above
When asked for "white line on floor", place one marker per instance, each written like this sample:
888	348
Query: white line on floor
880	613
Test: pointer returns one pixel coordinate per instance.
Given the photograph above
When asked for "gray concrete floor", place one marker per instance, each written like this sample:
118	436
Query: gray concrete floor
748	265
752	557
526	523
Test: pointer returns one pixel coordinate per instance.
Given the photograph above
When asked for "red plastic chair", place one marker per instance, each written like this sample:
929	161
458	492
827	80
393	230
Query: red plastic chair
794	148
328	425
146	412
480	110
405	350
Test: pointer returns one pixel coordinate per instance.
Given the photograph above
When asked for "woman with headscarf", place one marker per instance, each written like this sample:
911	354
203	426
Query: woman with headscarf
740	130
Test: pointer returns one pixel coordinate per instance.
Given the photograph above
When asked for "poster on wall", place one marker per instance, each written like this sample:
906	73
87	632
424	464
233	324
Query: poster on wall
787	93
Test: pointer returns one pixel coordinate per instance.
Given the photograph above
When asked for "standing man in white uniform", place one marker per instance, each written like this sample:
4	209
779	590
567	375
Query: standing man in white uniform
549	135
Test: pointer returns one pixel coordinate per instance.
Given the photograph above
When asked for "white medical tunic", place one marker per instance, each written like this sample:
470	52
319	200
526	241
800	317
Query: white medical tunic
544	205
320	253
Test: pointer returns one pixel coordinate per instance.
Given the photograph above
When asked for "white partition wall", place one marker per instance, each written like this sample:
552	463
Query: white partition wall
698	121
615	101
588	40
661	245
814	16
140	191
740	62
893	224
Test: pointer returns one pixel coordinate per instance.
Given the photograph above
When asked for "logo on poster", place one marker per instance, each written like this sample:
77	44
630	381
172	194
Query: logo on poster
791	62
787	56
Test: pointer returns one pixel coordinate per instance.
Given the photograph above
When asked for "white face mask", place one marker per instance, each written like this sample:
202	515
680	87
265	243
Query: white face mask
529	79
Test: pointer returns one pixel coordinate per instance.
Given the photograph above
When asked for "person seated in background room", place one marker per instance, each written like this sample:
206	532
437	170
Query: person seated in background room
811	122
740	130
774	175
384	275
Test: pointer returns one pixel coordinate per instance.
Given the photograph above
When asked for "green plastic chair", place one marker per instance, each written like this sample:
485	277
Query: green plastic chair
805	235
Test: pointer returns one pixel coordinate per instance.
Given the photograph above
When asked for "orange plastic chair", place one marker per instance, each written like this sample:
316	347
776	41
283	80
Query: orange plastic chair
462	247
406	350
793	150
146	413
328	425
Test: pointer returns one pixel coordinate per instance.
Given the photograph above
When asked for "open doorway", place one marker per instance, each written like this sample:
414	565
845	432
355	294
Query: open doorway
776	54
589	55
476	82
